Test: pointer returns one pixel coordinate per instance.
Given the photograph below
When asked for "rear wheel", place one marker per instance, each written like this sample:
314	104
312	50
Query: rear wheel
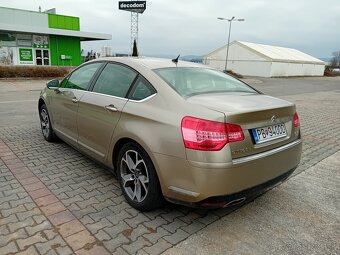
45	123
138	178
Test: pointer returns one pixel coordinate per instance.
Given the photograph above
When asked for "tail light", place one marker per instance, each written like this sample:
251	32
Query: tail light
206	135
296	120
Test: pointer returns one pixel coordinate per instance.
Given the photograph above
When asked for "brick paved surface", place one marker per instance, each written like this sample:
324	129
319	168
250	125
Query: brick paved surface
61	201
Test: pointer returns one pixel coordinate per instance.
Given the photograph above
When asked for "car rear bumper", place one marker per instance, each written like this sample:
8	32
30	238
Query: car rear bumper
197	182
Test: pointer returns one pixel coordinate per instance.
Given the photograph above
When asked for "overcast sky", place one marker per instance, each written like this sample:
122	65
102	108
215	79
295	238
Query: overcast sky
191	26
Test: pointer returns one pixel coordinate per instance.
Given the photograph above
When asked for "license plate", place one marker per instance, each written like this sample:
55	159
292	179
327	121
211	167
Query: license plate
269	133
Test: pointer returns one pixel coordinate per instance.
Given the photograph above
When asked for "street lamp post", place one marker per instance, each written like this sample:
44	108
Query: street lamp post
230	21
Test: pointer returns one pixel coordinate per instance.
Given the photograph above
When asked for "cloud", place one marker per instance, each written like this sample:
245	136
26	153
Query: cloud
191	26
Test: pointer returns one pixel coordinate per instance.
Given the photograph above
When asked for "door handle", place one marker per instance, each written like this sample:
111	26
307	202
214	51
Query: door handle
75	100
111	108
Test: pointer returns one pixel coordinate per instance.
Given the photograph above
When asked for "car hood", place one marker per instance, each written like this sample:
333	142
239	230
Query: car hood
238	102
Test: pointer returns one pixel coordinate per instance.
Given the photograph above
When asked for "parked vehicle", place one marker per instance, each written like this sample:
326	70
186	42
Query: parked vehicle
173	130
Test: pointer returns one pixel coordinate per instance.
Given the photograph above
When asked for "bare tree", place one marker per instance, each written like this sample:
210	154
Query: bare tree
335	61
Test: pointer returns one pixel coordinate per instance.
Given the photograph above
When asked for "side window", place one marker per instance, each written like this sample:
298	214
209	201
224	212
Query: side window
142	90
115	80
81	78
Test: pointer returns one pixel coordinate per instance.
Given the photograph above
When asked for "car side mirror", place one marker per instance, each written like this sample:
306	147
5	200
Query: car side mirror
52	84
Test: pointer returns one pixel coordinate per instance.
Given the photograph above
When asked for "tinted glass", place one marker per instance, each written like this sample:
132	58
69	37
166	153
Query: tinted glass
115	80
81	78
191	81
142	90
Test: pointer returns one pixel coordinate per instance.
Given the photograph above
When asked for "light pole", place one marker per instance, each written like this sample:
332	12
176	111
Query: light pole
230	21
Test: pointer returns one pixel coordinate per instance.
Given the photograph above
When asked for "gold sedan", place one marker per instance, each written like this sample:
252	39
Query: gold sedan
175	131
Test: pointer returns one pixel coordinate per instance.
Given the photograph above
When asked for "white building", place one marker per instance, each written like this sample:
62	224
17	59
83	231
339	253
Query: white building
261	60
106	51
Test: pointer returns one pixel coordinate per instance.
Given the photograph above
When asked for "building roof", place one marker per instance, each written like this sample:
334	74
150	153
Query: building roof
275	53
84	36
25	21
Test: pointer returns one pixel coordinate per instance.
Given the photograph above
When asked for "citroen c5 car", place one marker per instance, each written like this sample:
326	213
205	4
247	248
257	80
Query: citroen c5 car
174	130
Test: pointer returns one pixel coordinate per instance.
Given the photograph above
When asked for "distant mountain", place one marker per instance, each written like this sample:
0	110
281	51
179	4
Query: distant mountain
191	58
326	59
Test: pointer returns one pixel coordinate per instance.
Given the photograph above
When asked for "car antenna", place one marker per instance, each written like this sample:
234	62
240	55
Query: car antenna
175	60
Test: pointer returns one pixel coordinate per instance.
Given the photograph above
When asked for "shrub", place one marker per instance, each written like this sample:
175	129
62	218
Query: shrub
34	71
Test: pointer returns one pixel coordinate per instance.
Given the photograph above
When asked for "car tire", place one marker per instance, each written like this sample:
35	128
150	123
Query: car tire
138	178
45	124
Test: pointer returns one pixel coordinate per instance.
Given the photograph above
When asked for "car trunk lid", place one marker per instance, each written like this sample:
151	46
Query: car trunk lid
252	111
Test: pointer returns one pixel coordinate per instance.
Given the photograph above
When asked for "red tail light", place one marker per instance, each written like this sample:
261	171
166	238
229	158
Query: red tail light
199	134
296	120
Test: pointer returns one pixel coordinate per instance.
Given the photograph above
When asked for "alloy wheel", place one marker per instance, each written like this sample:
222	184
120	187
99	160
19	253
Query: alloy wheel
45	123
135	176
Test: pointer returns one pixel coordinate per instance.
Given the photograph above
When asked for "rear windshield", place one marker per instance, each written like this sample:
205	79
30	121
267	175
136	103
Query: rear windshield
189	81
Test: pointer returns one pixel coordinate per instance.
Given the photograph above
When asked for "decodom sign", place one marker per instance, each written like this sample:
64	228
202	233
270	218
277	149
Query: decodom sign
132	6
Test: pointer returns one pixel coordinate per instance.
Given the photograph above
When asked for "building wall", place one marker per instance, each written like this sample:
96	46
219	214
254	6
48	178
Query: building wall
26	48
63	22
240	60
23	17
247	62
65	51
296	69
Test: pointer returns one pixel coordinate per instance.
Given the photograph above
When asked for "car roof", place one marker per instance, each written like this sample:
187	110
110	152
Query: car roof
151	63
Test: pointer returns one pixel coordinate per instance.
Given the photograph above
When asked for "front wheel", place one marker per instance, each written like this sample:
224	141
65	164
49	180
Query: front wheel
138	178
45	123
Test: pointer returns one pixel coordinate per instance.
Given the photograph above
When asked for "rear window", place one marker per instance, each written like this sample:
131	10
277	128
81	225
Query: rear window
189	81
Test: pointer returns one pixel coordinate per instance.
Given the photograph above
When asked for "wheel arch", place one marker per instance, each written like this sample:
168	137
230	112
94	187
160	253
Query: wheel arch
40	103
121	142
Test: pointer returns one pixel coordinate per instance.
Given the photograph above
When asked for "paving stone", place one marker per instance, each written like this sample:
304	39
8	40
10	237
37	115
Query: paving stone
135	221
176	237
156	234
95	250
37	238
70	228
101	235
116	242
29	251
95	227
137	245
24	215
53	208
113	231
12	236
160	246
80	239
93	196
193	227
9	248
55	243
173	226
31	230
137	232
61	217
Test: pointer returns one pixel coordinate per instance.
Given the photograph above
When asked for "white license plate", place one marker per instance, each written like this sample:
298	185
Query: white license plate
269	133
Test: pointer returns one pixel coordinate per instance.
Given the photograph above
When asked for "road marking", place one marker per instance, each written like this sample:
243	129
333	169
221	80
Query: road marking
17	101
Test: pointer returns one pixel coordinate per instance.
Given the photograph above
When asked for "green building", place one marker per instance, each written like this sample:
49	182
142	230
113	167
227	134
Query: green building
40	38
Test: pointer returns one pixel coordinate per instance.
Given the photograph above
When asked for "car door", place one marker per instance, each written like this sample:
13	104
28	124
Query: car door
100	109
64	102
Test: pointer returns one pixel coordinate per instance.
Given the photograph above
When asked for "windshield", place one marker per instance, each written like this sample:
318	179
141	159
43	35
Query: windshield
189	81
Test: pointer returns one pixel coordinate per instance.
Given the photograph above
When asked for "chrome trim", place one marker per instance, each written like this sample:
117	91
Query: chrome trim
123	98
101	94
144	99
183	191
266	153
